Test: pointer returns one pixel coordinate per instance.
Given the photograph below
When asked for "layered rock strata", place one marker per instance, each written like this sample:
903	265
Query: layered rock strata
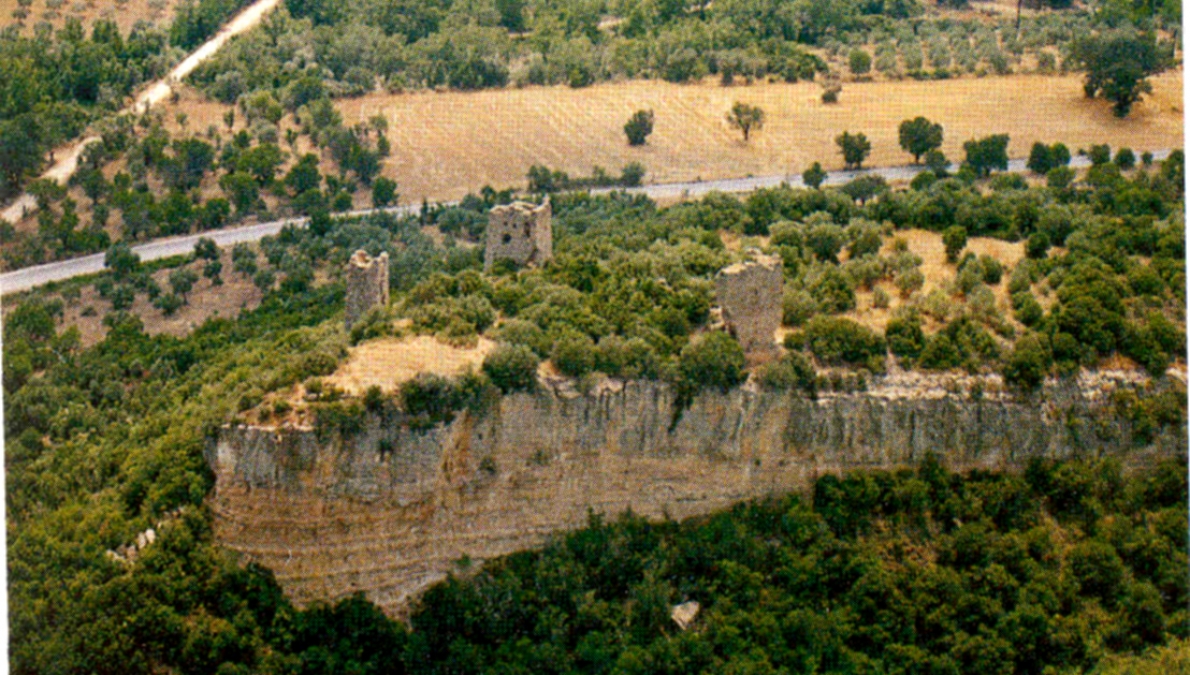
390	510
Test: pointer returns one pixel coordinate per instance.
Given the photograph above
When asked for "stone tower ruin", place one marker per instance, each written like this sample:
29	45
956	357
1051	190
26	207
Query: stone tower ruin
519	232
367	284
749	295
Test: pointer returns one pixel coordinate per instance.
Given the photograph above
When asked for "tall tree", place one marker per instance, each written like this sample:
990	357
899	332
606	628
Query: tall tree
855	148
1118	65
745	117
919	136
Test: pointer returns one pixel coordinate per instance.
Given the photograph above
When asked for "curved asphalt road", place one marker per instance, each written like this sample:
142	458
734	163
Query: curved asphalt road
30	277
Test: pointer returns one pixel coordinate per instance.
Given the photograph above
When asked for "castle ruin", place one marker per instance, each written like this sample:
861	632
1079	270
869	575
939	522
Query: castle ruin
519	232
749	295
367	284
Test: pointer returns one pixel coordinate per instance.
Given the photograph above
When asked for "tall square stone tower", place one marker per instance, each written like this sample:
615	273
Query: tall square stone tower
749	294
367	284
520	232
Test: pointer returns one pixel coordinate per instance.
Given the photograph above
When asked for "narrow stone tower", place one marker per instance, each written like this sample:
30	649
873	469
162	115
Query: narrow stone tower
749	295
519	232
367	284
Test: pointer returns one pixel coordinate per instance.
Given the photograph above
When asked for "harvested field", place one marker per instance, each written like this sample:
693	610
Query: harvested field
447	144
388	362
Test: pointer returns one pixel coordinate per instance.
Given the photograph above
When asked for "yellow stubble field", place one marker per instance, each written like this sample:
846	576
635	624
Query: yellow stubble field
449	143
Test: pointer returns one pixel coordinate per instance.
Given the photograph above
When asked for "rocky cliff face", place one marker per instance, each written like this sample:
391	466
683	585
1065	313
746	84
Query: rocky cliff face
391	510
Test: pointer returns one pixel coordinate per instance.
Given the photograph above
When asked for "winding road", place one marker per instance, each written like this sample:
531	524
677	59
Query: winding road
31	277
156	92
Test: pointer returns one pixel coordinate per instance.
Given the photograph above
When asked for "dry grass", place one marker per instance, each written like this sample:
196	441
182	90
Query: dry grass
125	14
937	272
388	362
447	144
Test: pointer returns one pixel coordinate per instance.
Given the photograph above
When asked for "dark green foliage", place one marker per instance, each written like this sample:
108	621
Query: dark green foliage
384	192
428	400
574	355
837	582
1125	158
1099	154
1028	310
961	344
987	154
854	147
835	341
197	20
831	290
206	249
714	362
1038	245
905	337
1029	362
121	260
745	117
865	187
955	240
793	371
638	127
814	176
1118	65
512	368
919	136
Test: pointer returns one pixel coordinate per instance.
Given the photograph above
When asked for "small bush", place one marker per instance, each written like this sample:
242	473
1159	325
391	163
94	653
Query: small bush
955	240
512	368
835	340
905	337
793	371
714	362
1026	308
574	355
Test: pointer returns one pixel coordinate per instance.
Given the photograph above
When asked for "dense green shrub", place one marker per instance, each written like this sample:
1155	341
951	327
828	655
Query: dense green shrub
836	340
905	337
1029	362
714	362
793	371
961	344
512	368
574	354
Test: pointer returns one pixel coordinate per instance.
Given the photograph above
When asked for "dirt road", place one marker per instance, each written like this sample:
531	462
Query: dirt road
156	92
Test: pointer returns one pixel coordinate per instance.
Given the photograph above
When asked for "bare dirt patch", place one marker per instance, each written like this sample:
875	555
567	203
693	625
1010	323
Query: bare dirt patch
448	144
205	301
387	362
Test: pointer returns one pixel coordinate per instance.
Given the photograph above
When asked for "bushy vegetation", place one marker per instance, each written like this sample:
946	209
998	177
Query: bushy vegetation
909	571
105	442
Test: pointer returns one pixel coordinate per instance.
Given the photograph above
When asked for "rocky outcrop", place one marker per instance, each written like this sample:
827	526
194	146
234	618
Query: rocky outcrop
390	510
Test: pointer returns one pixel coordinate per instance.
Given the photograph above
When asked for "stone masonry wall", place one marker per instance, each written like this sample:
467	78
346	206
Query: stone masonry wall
367	285
388	511
749	295
519	232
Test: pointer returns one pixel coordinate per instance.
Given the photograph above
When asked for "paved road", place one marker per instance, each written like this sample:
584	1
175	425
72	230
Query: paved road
30	277
156	92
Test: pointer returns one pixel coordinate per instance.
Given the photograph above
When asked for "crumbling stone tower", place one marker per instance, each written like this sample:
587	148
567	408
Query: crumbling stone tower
367	284
749	295
520	232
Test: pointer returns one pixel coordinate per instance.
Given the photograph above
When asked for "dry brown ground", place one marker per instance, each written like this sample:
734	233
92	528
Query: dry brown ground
387	362
937	272
447	144
205	301
125	14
